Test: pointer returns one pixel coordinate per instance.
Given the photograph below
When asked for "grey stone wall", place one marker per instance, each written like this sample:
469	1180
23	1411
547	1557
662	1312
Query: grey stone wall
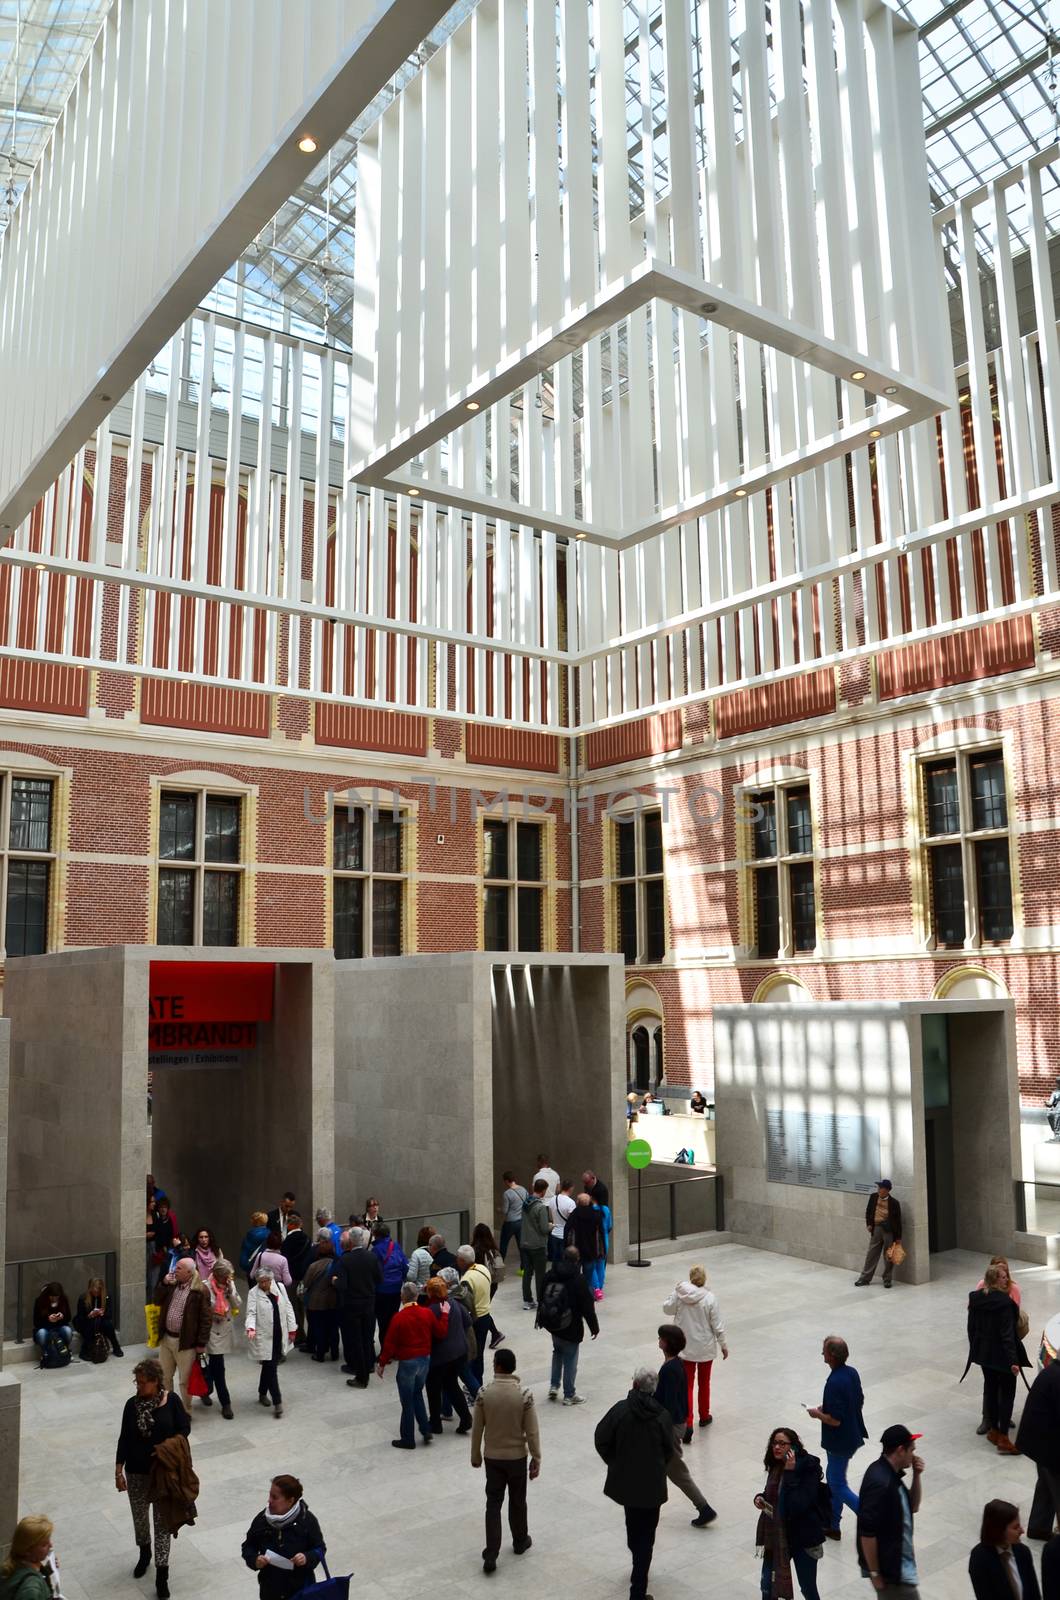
78	1146
865	1059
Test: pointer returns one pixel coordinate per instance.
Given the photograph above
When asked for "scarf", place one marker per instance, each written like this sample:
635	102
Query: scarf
146	1406
283	1520
220	1296
773	1541
204	1261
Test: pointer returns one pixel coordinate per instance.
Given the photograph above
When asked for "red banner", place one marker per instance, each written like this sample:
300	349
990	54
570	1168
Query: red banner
209	1005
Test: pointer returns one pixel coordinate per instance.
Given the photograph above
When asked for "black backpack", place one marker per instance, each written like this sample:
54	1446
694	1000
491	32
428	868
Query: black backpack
554	1312
56	1352
98	1348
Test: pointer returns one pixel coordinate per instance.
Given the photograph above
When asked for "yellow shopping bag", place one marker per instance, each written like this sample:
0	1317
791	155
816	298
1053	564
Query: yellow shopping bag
153	1315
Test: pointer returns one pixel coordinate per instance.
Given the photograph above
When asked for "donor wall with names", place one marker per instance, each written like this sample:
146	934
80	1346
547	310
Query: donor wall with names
823	1149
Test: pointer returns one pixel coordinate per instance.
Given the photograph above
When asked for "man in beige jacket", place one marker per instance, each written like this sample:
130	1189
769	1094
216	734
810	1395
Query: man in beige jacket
503	1433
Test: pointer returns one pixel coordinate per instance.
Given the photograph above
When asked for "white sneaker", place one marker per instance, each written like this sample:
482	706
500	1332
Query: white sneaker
553	1394
575	1400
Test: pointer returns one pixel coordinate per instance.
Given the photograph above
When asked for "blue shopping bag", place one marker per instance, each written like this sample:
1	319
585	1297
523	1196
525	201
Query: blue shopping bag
330	1589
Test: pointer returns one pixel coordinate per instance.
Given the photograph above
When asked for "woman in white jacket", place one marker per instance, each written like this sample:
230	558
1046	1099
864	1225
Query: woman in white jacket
224	1303
694	1309
271	1327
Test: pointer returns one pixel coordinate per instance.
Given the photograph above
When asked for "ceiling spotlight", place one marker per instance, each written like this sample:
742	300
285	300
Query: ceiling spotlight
875	433
857	375
473	405
413	491
581	535
307	144
40	566
892	388
741	494
709	307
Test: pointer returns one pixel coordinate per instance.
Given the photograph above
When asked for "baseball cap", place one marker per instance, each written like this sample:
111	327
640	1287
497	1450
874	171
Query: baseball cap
884	1183
894	1437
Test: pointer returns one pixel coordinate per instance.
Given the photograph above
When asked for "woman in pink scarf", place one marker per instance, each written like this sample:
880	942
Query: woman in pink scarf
224	1305
207	1251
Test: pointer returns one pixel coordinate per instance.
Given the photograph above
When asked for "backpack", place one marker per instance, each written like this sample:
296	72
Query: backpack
98	1348
56	1352
554	1312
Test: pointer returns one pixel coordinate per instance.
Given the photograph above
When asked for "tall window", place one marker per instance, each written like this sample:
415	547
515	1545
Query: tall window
783	899
965	820
368	885
28	803
640	905
514	892
200	875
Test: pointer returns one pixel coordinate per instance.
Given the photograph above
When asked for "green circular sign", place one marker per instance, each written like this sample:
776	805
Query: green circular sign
638	1153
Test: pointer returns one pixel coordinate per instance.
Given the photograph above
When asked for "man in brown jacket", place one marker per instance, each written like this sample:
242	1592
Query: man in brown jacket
505	1415
184	1325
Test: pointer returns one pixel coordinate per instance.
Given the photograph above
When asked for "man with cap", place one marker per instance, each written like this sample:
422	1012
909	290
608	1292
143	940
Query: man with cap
885	1517
883	1218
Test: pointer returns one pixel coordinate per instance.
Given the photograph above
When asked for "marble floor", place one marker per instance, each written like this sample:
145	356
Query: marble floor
407	1526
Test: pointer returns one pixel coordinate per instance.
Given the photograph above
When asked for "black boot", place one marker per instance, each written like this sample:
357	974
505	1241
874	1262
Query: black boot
162	1583
144	1561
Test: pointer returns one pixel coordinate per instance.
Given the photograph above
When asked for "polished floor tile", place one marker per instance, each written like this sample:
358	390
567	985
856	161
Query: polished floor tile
409	1523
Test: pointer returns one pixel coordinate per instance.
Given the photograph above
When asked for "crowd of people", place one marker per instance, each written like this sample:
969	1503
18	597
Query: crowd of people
352	1291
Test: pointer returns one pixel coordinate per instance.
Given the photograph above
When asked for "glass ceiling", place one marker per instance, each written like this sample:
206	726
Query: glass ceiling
989	69
43	46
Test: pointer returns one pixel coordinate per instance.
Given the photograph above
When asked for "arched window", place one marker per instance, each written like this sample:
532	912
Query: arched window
640	1059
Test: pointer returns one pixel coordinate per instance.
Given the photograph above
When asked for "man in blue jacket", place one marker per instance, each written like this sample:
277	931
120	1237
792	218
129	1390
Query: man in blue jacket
885	1517
842	1425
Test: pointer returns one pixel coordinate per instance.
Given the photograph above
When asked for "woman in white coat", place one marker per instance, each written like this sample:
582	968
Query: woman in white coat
271	1327
694	1309
224	1303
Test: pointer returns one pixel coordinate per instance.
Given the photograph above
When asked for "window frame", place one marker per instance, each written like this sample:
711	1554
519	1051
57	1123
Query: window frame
965	838
8	777
635	816
781	862
197	864
370	811
513	883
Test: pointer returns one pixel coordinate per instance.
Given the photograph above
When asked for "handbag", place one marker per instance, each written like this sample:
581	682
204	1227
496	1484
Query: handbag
330	1589
498	1271
197	1380
153	1318
1023	1325
896	1253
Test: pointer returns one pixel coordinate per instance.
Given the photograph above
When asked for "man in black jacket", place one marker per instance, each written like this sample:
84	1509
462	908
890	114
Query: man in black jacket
1039	1439
636	1440
564	1307
356	1276
297	1252
885	1517
883	1218
671	1391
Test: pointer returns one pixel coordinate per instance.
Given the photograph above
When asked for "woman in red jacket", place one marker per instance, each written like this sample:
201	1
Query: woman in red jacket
409	1336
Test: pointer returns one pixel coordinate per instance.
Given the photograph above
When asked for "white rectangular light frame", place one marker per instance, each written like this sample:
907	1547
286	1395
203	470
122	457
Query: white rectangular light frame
910	402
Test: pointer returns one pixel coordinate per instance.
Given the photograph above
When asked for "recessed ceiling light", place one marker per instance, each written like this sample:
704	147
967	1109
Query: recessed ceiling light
413	491
581	535
473	405
307	144
875	433
892	388
708	308
857	375
741	494
41	566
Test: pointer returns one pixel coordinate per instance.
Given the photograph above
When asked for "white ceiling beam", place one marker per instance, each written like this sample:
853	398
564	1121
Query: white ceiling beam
89	292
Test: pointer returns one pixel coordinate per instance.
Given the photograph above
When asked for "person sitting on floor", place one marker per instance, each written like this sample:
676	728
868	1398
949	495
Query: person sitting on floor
51	1317
93	1318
